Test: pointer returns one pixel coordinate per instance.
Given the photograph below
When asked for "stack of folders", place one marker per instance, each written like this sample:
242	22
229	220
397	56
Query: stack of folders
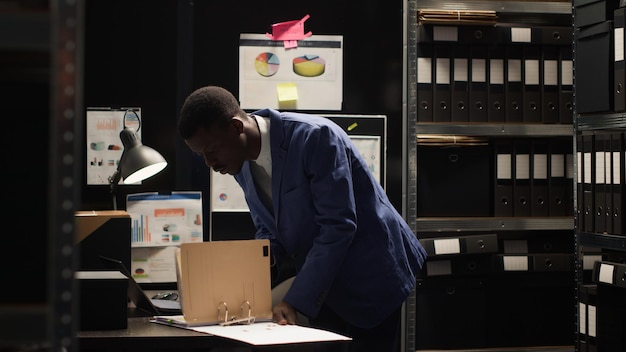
546	254
485	254
459	255
457	17
609	311
601	182
487	73
533	177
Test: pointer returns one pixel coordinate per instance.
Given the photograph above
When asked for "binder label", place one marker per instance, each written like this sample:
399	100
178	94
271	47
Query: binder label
460	70
582	317
442	76
447	246
567	72
618	44
606	273
591	320
515	263
522	169
496	71
540	166
514	70
445	33
424	72
600	177
557	163
479	73
616	168
520	35
587	171
550	73
504	167
531	72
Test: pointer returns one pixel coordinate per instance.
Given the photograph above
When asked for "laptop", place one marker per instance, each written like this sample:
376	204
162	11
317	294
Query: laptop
139	297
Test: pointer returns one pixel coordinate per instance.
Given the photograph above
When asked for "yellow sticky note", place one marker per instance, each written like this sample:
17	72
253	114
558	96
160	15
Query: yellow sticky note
287	92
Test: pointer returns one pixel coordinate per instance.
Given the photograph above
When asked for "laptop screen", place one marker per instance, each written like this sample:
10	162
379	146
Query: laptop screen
137	294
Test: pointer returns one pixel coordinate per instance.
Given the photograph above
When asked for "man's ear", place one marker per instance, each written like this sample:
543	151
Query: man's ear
237	123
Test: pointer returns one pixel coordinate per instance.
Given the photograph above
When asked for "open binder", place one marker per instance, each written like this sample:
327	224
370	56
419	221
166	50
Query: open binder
223	282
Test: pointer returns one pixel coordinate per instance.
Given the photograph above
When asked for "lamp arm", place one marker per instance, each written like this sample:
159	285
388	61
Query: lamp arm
113	181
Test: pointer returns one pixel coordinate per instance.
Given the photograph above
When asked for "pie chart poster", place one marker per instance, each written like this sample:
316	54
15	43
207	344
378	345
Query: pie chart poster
306	77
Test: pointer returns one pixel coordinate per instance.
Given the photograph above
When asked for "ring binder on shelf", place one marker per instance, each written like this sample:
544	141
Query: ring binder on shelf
599	187
496	99
618	184
566	86
557	184
588	180
460	84
550	84
521	179
442	83
425	75
539	179
532	79
503	200
478	84
514	85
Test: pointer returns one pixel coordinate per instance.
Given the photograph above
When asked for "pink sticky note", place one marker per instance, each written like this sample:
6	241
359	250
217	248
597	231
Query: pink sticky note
289	31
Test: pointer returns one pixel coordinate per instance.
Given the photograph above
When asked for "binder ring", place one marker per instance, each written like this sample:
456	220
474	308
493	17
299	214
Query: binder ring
249	308
219	311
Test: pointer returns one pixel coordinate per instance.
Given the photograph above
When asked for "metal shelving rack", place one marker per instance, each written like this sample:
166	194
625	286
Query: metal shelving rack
409	155
493	224
529	12
67	118
54	31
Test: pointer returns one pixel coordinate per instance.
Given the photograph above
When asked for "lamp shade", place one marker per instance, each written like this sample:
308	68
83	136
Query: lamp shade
138	162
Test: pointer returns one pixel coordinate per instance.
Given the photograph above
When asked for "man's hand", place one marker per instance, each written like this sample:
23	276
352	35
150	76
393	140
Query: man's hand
284	313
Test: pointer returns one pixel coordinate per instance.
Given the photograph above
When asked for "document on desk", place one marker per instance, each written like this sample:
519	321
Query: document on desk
264	333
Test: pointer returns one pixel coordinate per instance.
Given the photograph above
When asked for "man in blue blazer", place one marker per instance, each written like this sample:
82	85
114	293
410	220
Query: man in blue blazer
311	193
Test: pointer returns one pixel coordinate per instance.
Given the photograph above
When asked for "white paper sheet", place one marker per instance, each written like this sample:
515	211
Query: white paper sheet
263	333
271	333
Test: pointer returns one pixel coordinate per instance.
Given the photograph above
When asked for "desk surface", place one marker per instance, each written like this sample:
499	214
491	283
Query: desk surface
141	334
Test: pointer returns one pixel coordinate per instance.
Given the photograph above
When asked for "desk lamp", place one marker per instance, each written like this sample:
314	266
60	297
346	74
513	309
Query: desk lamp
137	163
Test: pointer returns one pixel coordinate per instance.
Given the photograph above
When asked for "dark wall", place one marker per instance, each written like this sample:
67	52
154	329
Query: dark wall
152	54
25	89
130	60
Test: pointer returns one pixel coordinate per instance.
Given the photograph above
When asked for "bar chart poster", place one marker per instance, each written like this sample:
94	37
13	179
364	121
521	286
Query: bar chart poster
159	224
308	76
165	219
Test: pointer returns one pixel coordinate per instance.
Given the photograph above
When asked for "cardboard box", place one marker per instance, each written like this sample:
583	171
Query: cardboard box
102	233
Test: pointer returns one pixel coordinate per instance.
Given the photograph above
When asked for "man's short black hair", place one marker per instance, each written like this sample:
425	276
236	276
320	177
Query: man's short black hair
207	107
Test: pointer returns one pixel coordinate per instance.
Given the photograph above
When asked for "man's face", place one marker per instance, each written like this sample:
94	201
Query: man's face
222	148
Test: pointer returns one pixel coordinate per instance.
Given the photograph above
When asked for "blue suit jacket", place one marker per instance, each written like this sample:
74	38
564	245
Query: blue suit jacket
352	249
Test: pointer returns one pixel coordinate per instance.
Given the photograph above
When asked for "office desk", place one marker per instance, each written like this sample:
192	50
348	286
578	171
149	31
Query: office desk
142	335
